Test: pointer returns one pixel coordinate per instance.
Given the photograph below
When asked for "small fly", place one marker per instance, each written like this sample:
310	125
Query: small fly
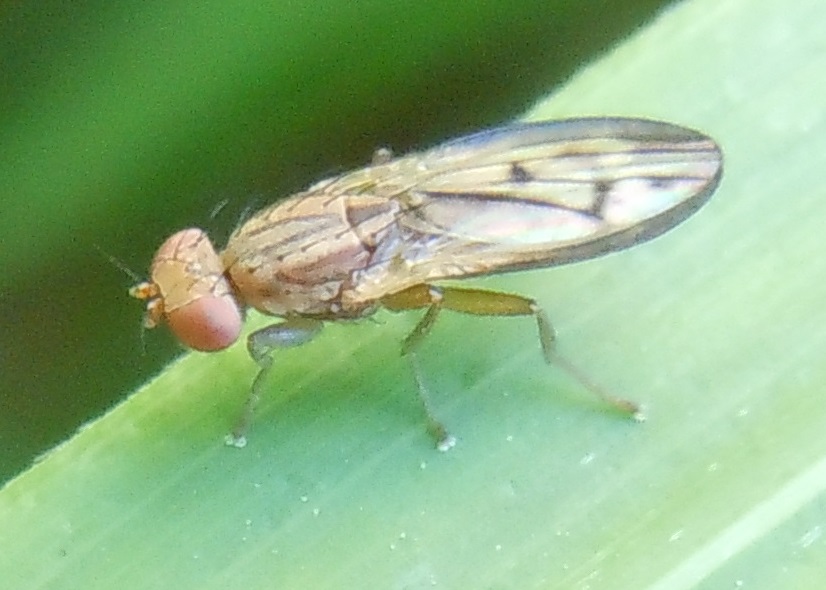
519	197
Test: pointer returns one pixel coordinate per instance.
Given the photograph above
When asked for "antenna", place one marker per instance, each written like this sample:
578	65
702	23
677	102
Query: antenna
118	264
136	278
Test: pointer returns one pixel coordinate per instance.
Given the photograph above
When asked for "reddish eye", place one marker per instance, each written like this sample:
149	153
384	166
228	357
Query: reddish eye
190	293
209	323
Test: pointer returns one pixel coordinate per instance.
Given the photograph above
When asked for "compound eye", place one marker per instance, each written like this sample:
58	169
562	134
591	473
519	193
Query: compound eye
208	323
198	302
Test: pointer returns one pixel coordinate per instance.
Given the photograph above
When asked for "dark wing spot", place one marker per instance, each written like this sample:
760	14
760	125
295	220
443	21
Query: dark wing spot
601	190
659	182
519	174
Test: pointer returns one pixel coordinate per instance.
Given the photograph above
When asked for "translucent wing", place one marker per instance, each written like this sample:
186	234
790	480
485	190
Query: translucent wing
532	195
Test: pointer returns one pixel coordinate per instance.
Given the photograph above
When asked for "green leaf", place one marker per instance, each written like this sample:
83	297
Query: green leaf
719	328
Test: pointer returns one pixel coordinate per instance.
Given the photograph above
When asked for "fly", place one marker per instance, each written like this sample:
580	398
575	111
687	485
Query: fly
514	198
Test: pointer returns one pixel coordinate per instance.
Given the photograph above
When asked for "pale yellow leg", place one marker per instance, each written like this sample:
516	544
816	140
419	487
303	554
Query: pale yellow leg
489	303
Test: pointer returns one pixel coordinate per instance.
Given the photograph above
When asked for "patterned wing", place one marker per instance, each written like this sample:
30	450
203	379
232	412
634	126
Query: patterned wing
536	194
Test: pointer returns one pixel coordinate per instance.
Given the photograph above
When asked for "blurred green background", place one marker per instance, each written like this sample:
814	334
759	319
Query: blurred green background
122	122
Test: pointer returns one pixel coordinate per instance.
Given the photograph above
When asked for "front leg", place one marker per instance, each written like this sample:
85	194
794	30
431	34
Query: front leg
261	345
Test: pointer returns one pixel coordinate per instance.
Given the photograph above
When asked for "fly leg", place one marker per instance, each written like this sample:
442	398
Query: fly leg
491	303
415	298
261	345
